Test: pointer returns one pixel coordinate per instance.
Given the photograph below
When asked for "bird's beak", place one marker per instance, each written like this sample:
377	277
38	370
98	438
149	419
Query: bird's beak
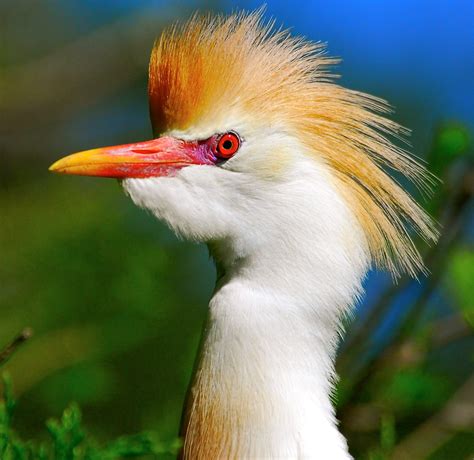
158	157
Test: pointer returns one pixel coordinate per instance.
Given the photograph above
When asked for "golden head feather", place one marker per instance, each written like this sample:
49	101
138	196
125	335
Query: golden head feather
212	65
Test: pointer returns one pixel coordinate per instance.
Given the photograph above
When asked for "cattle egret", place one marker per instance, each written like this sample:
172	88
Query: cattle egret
283	173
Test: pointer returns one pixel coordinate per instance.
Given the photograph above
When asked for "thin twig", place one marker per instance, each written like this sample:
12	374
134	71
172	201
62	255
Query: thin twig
21	338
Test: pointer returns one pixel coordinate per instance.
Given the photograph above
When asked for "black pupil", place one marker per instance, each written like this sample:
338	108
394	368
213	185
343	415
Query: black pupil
227	145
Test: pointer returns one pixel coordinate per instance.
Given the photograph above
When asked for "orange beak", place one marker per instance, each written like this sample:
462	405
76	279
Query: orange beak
158	157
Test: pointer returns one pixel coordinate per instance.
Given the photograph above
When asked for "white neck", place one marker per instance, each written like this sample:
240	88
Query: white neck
292	258
263	386
264	382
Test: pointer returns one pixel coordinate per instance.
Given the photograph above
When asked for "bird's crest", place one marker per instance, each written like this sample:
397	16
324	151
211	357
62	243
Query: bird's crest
216	64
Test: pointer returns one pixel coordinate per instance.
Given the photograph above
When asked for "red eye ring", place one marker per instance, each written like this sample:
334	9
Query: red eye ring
228	145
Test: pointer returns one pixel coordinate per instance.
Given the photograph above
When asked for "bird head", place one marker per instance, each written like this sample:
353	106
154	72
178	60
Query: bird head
252	137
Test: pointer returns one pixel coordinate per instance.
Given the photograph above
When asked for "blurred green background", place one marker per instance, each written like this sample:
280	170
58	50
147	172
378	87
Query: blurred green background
117	302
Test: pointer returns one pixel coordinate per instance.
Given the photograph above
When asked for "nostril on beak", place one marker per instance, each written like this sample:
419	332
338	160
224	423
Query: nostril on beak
144	151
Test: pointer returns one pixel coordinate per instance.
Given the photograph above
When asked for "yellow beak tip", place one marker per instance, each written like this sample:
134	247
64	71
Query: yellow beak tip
54	167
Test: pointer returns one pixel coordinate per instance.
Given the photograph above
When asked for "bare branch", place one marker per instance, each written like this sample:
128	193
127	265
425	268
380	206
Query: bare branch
22	337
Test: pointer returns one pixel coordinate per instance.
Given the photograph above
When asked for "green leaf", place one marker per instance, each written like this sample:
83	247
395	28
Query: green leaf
387	433
414	389
67	434
461	269
69	440
452	141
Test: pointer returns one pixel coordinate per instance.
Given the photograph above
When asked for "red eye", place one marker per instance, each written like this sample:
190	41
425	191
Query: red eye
228	144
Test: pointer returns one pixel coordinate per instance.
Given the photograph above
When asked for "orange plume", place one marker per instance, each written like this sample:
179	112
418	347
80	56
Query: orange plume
211	66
